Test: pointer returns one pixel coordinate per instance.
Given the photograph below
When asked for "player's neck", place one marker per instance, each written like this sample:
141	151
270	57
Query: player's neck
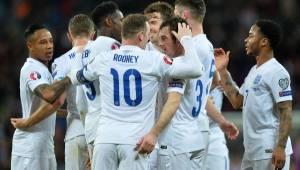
80	42
131	42
41	61
263	57
197	28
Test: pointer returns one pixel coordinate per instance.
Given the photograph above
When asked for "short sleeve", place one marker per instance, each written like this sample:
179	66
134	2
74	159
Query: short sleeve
59	69
35	77
176	85
242	89
280	86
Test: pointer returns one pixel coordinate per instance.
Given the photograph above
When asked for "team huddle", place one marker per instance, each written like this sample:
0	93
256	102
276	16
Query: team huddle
147	93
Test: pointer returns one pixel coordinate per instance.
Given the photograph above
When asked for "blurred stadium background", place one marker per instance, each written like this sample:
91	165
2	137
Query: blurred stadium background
227	24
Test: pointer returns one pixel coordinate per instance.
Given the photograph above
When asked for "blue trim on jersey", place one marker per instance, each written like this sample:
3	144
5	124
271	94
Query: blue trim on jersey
179	85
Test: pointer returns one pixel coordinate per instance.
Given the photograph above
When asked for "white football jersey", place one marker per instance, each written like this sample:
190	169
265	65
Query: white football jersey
91	89
129	80
202	85
36	141
60	67
217	141
162	86
264	86
184	131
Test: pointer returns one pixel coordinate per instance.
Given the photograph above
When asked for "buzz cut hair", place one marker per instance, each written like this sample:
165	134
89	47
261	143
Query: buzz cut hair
271	30
166	10
132	24
81	25
103	10
197	8
31	29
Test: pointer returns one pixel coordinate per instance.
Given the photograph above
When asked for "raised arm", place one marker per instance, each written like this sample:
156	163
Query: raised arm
190	65
230	88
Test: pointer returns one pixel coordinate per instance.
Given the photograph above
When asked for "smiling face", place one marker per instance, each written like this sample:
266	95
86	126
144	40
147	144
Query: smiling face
168	44
40	45
253	41
154	20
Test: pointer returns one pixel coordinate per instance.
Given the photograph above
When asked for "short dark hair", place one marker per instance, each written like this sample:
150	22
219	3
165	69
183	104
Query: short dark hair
31	29
132	24
270	30
81	25
172	23
103	10
197	8
166	10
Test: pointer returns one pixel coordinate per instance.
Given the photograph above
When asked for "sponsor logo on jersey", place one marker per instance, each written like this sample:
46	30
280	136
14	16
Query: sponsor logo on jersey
34	75
168	60
284	83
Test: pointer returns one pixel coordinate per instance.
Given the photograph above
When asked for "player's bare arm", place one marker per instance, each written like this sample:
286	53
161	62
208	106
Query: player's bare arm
40	114
50	93
227	127
229	86
231	90
147	143
285	124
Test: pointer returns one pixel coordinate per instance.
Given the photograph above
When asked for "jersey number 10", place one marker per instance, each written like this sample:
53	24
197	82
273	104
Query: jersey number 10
126	85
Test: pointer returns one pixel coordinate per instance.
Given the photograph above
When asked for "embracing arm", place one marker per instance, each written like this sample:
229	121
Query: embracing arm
44	111
50	93
231	90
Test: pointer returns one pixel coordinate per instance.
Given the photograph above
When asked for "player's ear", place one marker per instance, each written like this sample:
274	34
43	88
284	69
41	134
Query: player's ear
140	36
264	42
69	35
108	22
185	14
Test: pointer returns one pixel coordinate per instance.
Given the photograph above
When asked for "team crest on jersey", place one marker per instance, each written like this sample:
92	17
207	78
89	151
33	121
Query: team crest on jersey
284	83
168	60
257	79
34	75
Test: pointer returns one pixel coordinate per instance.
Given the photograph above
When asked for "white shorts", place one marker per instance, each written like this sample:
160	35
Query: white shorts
214	162
265	164
187	161
76	154
118	157
22	163
153	159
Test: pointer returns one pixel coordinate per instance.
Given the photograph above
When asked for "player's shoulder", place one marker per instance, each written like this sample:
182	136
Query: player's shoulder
106	43
276	67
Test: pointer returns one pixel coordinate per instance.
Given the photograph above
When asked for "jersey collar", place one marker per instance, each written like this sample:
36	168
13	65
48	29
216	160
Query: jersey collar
130	47
32	60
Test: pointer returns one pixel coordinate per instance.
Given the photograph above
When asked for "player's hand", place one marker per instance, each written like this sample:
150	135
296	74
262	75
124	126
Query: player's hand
147	143
229	129
221	58
19	123
183	30
278	157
